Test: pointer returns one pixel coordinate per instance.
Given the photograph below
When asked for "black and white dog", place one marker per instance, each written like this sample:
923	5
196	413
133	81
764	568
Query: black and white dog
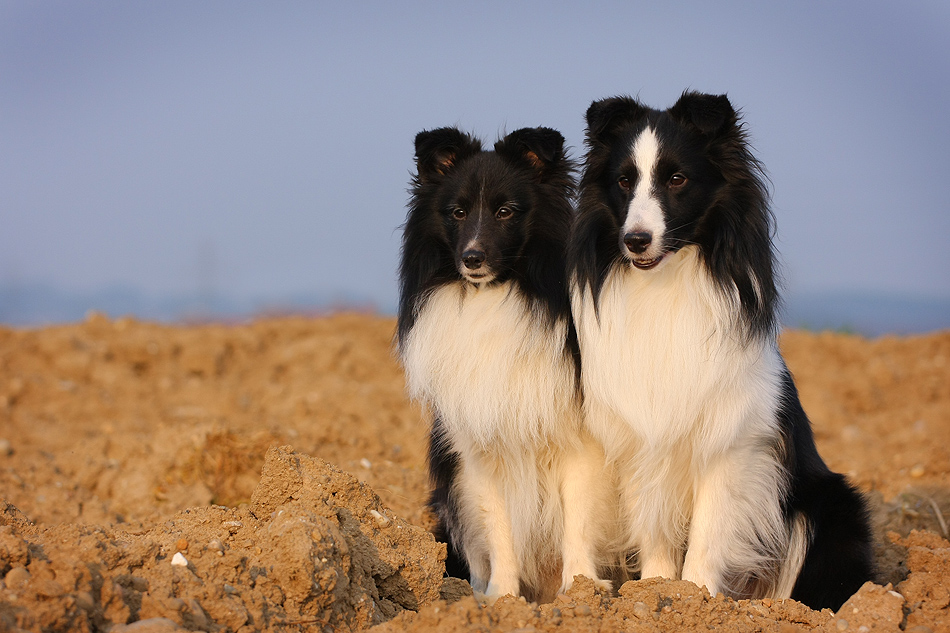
487	341
674	294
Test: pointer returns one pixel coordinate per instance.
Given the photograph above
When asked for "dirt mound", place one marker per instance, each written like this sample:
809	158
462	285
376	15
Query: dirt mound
137	497
667	605
315	547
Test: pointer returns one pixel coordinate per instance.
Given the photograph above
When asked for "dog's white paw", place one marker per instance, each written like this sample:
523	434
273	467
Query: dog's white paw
488	599
604	586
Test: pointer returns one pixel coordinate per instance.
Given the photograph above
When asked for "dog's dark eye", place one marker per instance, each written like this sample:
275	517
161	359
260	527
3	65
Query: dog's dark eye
624	183
677	180
459	213
503	213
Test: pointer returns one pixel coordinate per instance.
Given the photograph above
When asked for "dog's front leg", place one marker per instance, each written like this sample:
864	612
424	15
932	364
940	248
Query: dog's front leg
586	490
504	577
737	530
494	522
649	520
658	558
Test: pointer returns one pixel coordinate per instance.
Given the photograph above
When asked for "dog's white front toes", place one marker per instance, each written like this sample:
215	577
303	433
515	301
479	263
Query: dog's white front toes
605	586
501	583
566	583
488	599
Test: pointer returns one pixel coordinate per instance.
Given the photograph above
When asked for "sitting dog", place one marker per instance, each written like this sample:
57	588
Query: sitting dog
674	294
487	341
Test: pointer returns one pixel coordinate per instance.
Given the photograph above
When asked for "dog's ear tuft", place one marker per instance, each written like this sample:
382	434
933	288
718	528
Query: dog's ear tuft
708	113
607	116
439	150
539	147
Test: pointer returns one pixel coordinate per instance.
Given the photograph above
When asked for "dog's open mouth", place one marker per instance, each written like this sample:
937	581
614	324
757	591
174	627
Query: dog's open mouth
647	264
477	278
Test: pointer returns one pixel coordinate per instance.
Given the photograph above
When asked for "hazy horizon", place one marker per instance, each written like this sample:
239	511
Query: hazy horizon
40	305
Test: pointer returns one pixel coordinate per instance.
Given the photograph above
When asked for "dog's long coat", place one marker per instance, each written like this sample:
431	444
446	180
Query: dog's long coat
675	300
487	341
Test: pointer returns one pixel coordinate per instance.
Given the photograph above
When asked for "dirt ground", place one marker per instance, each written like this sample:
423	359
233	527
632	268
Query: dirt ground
270	476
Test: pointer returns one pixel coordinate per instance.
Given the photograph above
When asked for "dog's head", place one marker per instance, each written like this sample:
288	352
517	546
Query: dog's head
657	172
480	203
659	181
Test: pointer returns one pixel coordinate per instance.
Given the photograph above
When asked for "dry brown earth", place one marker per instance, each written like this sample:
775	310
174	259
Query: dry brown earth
135	495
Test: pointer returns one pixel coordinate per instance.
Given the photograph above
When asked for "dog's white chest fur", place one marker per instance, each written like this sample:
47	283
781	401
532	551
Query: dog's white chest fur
685	407
490	367
663	354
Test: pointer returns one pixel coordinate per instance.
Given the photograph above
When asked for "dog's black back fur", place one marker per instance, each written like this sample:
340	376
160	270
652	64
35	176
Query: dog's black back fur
839	558
529	167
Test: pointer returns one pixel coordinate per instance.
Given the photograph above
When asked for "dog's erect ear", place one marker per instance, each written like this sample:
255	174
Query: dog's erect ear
708	113
606	116
439	150
540	147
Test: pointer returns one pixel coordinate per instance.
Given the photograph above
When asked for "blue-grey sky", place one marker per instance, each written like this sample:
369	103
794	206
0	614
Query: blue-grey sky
262	150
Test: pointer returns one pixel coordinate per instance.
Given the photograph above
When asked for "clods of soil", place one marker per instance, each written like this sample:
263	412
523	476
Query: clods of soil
270	476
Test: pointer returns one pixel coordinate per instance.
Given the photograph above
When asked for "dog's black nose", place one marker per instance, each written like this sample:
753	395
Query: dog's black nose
637	241
473	259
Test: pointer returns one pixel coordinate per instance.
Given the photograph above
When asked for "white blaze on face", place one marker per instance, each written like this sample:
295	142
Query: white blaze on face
479	216
644	212
474	243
